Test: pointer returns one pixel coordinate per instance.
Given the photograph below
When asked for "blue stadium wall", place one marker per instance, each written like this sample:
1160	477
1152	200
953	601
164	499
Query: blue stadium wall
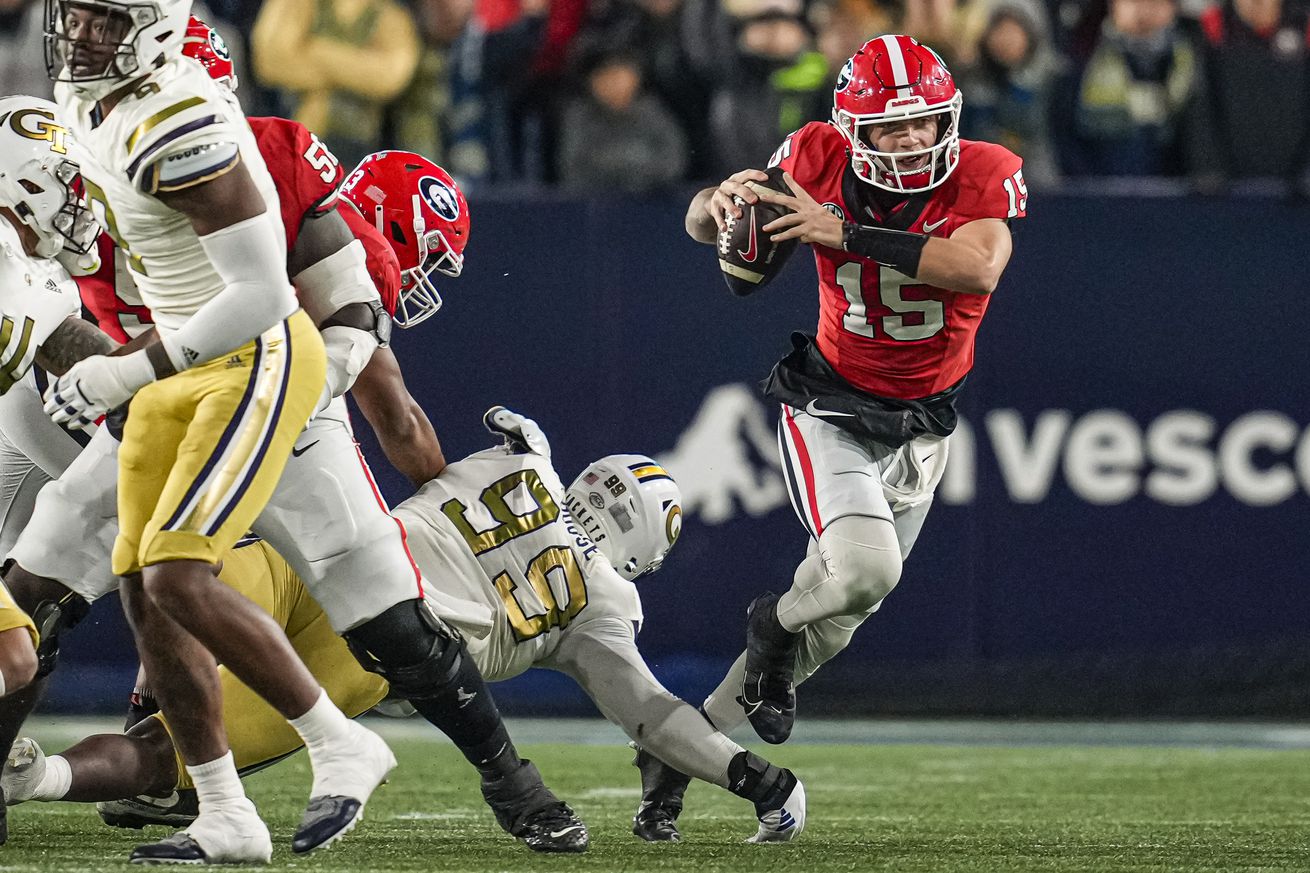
1123	528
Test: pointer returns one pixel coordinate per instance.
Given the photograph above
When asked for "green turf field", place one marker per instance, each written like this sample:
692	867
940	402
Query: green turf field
903	808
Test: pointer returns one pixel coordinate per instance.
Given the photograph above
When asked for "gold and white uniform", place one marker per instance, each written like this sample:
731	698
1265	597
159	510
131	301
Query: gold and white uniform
36	296
202	450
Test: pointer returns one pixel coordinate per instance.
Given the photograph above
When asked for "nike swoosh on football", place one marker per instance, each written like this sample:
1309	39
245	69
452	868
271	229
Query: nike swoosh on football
929	228
826	413
296	453
753	251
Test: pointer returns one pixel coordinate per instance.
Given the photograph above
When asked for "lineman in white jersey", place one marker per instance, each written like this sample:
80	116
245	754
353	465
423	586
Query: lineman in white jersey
36	297
176	178
532	587
551	574
41	219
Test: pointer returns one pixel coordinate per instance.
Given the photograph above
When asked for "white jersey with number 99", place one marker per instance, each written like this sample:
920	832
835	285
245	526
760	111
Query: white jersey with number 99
492	529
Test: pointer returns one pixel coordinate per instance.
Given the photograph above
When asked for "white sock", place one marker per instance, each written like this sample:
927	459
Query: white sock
217	782
57	780
322	726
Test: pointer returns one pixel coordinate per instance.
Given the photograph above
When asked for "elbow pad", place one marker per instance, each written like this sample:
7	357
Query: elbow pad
250	259
348	352
335	282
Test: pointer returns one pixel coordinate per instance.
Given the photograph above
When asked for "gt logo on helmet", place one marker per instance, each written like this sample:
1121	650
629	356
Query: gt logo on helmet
39	124
440	197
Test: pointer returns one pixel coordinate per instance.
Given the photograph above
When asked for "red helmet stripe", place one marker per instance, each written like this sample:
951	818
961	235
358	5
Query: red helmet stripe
900	72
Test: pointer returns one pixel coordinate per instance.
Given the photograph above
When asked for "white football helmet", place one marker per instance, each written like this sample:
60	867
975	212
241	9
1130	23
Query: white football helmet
95	45
631	508
38	181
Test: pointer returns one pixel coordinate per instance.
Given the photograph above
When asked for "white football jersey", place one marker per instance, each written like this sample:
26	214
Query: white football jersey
492	529
176	129
36	295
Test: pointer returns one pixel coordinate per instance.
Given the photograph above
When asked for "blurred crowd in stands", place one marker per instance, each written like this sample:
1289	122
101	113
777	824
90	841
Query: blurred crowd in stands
637	95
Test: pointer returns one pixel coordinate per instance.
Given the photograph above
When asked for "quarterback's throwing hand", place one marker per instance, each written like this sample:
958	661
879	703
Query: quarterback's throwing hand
808	221
95	385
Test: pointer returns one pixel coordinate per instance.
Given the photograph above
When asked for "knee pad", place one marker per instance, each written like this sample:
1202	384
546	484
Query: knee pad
864	559
417	653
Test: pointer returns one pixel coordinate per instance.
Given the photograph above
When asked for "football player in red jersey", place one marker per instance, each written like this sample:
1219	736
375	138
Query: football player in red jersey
910	230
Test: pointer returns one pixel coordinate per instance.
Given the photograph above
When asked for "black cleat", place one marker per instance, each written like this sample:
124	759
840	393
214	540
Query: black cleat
180	848
655	824
768	694
556	828
527	809
326	820
662	788
177	810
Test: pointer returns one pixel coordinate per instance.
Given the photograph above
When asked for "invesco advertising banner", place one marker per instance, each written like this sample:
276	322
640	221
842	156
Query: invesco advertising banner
1122	526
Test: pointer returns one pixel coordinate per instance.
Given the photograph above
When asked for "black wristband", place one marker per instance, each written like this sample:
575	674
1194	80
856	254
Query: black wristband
895	248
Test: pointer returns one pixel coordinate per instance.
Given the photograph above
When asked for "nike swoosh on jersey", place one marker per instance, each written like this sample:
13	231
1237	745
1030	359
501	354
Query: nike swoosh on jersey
753	251
296	453
929	228
825	413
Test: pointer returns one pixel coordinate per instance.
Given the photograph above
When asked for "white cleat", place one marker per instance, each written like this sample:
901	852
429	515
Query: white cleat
24	770
342	785
785	823
231	834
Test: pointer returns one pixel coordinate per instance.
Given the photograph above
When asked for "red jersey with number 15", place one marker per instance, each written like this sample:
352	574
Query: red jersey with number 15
884	332
306	175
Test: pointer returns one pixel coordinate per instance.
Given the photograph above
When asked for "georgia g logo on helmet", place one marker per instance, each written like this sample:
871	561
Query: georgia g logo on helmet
439	196
844	77
39	124
219	45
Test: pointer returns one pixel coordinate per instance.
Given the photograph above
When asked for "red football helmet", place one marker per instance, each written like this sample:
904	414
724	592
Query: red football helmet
895	78
422	213
204	44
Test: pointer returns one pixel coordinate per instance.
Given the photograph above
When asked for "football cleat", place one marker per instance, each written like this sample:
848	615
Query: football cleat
233	835
768	694
24	770
662	789
527	809
342	785
556	828
782	823
326	820
177	810
655	824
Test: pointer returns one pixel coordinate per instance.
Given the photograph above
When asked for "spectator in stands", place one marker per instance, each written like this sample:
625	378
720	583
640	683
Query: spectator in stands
1258	60
777	82
842	26
1135	107
1009	86
420	119
341	60
654	31
618	137
22	56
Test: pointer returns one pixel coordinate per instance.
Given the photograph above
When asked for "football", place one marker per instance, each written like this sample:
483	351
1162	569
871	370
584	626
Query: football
746	256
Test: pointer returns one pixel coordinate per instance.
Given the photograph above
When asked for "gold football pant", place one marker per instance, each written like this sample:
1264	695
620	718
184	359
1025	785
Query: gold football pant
258	735
203	450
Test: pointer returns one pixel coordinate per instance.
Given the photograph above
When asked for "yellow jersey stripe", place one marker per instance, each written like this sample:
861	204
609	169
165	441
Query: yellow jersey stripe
10	370
159	117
